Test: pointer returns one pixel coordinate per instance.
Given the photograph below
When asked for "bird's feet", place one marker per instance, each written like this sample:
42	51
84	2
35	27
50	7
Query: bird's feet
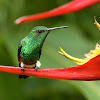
22	69
22	66
38	64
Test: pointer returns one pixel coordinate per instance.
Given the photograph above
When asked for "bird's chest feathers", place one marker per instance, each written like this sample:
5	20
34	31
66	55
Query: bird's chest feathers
31	49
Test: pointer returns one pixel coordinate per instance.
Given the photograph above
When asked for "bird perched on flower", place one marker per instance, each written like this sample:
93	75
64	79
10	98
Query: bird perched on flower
29	50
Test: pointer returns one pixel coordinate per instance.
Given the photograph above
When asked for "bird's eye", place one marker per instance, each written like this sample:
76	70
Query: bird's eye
40	31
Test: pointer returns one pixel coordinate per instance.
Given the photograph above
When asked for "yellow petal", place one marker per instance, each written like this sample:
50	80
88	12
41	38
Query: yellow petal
97	24
70	57
90	55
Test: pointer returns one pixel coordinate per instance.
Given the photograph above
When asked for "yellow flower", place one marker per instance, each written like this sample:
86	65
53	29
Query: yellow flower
90	55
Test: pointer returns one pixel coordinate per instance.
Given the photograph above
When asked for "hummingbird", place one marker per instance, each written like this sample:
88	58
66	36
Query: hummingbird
29	49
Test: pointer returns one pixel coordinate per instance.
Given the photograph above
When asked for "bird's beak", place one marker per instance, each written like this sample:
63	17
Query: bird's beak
54	28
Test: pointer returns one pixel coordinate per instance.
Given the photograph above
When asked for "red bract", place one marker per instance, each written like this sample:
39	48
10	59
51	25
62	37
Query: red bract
88	71
67	8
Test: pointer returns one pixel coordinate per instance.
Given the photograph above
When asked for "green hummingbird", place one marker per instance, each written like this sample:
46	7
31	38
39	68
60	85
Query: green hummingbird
29	49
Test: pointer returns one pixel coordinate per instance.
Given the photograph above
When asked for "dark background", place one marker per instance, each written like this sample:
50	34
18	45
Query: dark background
81	37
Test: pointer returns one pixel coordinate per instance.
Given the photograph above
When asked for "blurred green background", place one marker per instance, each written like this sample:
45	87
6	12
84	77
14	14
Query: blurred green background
81	37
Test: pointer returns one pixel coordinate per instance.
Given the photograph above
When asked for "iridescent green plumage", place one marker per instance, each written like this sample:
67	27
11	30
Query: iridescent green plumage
31	45
29	49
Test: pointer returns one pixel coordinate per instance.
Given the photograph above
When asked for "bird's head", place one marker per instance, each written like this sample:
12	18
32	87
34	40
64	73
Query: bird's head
40	31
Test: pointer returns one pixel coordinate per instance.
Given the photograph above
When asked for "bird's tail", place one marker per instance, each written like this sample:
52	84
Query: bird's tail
23	76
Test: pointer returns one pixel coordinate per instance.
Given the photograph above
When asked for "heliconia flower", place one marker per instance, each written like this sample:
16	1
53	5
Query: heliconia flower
88	70
72	6
92	54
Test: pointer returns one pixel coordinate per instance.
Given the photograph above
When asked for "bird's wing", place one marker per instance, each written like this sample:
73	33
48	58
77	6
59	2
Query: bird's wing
39	54
19	50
